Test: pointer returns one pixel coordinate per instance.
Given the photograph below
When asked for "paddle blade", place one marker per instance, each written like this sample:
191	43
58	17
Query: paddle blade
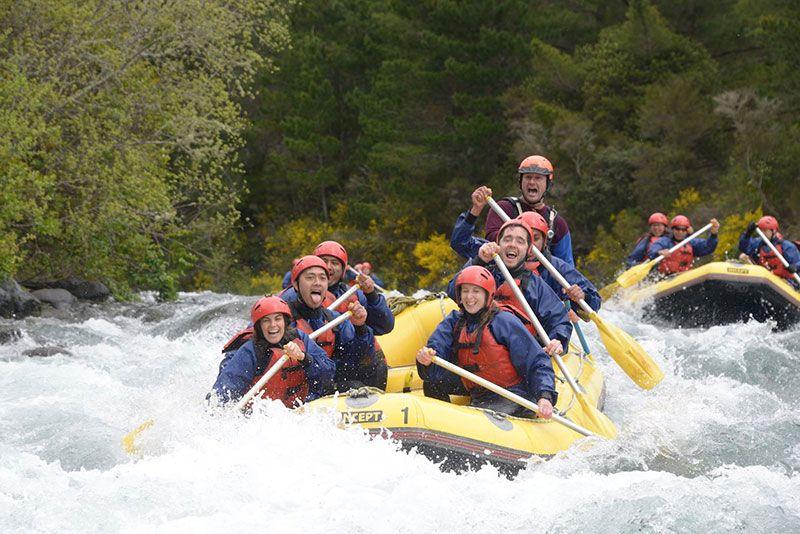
628	354
593	419
635	274
610	290
129	441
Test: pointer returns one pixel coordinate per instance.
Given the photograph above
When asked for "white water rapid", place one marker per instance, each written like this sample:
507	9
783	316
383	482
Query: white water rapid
714	448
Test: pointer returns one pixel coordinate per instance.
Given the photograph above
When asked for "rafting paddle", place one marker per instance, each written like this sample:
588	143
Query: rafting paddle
379	288
129	440
491	386
766	240
590	416
628	354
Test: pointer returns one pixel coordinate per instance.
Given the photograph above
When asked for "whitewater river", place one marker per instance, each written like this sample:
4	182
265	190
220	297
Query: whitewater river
714	448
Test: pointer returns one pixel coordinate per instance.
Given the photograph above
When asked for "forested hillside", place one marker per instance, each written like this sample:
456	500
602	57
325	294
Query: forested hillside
187	144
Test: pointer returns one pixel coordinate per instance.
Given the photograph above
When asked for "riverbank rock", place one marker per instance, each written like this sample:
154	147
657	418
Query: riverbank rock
46	352
17	303
56	297
82	289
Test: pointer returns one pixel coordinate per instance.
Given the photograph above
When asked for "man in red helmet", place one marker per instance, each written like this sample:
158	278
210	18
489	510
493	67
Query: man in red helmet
493	344
366	269
658	225
352	343
681	260
513	245
536	175
306	376
761	254
467	245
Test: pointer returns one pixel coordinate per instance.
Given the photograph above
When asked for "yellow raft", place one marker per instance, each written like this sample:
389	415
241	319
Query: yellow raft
721	293
459	436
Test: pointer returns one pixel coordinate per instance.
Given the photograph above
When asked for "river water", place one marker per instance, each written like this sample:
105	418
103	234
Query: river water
714	448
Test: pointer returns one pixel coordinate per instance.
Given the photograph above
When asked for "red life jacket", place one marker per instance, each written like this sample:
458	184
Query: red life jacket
327	340
533	266
652	239
771	261
679	261
238	339
480	353
290	384
505	299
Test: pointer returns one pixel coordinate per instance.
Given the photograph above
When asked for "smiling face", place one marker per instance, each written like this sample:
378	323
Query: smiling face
657	229
311	285
335	269
679	233
473	298
533	187
273	327
514	246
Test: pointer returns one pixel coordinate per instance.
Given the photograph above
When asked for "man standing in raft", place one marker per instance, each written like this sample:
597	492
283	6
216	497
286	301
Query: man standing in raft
681	260
658	225
493	344
762	254
535	178
306	376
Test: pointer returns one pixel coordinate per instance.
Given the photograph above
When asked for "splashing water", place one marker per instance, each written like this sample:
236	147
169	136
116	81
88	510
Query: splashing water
715	447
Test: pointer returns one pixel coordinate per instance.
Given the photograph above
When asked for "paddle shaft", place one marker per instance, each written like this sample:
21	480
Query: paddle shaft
775	251
282	360
491	386
379	288
535	320
346	295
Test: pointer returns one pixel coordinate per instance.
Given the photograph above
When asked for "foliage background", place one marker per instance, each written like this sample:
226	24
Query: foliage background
197	145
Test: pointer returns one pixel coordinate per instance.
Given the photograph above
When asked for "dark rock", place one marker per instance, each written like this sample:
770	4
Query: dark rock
7	335
56	297
44	352
17	303
82	289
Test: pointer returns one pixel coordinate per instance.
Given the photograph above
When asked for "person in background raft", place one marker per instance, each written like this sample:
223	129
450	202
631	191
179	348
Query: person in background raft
351	345
658	225
535	178
466	244
681	260
493	344
287	278
761	254
514	241
306	376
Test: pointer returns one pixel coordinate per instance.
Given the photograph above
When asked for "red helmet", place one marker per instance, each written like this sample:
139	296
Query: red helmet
366	265
535	221
538	165
307	262
768	222
680	220
267	305
658	218
517	222
332	248
477	276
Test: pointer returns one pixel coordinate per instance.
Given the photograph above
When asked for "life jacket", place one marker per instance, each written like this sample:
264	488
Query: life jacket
771	261
238	339
290	384
480	353
505	299
327	340
679	261
650	240
533	267
550	218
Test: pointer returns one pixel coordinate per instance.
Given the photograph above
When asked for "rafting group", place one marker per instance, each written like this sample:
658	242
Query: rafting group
446	373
